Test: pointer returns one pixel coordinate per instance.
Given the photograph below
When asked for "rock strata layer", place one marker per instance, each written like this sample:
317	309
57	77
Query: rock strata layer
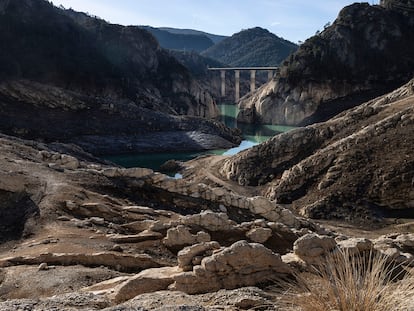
358	163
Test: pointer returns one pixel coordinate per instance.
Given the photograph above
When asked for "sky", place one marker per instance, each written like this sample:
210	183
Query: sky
294	20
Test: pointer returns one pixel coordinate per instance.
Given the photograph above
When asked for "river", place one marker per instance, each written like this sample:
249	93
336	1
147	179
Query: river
253	134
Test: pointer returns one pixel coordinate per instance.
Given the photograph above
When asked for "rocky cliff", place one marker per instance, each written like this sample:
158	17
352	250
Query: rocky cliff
251	47
84	77
366	52
358	163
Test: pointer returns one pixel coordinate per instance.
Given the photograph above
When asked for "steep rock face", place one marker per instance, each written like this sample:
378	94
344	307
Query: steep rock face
66	75
102	126
82	53
360	160
365	53
251	47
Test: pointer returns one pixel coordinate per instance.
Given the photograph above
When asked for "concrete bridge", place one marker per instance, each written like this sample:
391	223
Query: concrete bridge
270	74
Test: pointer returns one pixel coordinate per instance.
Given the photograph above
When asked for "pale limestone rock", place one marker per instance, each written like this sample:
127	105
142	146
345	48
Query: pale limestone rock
405	240
241	264
158	178
260	205
69	162
118	261
141	225
139	209
218	192
210	221
112	172
106	286
259	235
311	247
383	242
356	245
99	221
147	281
70	205
162	226
137	172
288	218
145	235
186	255
181	235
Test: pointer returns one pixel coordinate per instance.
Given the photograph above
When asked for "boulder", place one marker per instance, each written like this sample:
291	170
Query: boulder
147	281
241	264
69	162
356	245
181	235
259	235
311	247
210	221
185	256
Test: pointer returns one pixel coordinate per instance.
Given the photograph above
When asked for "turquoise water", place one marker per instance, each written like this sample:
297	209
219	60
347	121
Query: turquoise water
252	134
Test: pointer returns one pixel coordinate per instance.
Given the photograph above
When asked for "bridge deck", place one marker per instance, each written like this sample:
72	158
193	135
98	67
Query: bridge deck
243	68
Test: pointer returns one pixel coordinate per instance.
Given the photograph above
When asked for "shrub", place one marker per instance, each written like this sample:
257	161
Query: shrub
347	282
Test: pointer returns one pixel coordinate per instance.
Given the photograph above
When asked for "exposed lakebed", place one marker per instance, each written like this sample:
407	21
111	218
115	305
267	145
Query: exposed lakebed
253	134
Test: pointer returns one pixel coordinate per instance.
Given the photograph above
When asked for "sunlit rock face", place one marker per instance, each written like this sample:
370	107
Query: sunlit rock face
366	52
358	162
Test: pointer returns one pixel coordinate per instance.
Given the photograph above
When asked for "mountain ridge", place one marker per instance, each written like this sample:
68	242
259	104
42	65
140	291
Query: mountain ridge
251	47
180	41
214	37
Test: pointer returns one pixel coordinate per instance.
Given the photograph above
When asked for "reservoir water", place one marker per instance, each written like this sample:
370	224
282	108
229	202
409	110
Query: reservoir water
253	134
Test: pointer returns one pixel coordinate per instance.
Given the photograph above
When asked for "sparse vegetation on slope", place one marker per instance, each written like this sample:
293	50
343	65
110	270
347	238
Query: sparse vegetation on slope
349	282
251	47
180	41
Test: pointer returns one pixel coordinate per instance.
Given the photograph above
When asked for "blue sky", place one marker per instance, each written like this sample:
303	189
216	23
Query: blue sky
291	19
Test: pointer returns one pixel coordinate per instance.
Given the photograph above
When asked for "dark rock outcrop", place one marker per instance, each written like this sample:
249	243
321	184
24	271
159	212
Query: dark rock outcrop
36	111
65	76
358	163
366	52
15	209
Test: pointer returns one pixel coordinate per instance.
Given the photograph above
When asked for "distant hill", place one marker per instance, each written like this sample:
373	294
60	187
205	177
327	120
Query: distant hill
214	38
251	47
180	41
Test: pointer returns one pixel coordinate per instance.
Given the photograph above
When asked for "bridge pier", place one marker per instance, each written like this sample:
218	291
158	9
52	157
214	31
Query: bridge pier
269	75
237	86
252	80
223	83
